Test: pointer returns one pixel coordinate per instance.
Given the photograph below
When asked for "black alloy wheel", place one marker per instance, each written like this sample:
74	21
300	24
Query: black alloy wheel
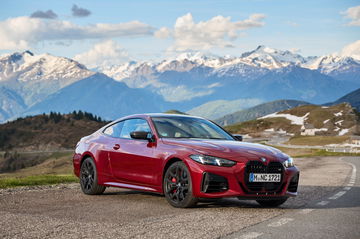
178	186
88	178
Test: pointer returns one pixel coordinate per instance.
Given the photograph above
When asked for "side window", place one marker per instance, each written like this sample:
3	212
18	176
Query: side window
134	125
114	130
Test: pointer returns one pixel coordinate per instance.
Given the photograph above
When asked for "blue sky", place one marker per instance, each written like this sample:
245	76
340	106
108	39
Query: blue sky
312	27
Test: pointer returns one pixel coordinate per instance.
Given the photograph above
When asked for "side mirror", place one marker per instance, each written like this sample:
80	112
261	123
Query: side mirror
237	137
142	135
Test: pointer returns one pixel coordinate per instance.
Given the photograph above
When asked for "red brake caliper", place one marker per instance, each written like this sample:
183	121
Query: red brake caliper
174	181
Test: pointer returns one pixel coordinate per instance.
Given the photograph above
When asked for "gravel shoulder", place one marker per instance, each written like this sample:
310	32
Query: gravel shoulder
62	211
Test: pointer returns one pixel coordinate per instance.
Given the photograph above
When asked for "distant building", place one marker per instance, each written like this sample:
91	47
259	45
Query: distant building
308	129
354	139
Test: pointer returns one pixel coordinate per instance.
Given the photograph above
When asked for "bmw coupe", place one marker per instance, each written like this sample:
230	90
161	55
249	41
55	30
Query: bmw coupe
185	158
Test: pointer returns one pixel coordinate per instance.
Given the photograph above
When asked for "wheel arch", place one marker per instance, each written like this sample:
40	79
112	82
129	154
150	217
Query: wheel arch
85	156
167	165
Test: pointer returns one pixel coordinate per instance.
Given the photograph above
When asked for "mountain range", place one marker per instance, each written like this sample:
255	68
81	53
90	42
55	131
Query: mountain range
192	82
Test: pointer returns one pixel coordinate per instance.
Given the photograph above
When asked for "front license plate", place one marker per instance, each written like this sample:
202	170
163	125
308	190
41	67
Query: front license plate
264	177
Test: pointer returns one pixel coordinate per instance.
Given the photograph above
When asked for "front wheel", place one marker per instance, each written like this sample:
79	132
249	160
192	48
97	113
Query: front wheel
88	178
178	186
271	202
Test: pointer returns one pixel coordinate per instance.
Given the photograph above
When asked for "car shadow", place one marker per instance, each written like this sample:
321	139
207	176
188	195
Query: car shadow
308	196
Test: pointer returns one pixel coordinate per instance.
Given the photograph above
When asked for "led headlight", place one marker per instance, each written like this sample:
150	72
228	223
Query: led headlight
289	162
211	160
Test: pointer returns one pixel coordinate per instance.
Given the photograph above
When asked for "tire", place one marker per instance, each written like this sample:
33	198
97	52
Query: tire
271	202
177	186
88	178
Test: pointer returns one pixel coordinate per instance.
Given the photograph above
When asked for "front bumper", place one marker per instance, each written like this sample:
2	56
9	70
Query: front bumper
216	182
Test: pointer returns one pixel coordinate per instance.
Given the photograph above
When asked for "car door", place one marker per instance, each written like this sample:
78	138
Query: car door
108	141
133	160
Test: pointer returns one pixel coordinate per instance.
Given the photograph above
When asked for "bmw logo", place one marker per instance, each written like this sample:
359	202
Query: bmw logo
263	159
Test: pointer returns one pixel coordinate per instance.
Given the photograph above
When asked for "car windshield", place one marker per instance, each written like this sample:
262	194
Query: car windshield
186	127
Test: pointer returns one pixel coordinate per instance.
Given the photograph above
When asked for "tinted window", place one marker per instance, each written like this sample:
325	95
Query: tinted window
114	130
134	125
186	127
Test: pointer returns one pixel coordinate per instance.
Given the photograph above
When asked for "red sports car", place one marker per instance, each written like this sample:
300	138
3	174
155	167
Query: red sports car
185	158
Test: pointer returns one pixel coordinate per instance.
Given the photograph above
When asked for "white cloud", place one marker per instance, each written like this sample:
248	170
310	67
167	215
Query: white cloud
162	33
104	53
354	14
353	50
23	32
219	31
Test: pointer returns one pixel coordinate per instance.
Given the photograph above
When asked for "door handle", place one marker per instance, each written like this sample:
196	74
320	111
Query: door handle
116	146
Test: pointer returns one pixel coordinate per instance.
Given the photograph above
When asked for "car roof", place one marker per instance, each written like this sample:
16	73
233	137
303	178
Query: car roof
149	115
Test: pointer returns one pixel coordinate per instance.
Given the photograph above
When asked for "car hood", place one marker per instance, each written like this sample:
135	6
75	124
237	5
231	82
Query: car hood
234	150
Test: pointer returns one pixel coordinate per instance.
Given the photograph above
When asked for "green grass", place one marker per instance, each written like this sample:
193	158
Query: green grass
304	153
36	180
317	140
322	152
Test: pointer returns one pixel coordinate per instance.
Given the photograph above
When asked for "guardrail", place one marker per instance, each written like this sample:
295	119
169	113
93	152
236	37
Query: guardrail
343	149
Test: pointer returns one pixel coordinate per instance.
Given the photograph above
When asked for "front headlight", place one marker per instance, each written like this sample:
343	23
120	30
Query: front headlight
289	163
211	160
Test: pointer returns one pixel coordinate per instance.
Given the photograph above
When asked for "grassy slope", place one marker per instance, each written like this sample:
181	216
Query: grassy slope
44	132
318	115
304	153
258	111
317	140
52	163
56	168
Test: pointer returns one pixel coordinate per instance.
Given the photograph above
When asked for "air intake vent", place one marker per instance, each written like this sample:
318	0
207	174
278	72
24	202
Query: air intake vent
212	183
293	185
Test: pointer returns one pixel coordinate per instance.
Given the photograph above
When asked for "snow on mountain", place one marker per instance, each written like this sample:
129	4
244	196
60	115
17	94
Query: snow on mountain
305	120
187	80
29	67
271	58
119	72
257	62
297	120
330	63
197	75
34	77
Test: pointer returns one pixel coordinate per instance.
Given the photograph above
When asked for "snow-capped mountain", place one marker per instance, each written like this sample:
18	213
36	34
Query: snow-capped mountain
270	58
34	77
183	82
262	57
343	68
26	79
196	75
331	63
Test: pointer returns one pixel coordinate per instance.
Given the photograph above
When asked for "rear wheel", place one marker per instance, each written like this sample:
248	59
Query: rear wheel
88	178
178	186
271	202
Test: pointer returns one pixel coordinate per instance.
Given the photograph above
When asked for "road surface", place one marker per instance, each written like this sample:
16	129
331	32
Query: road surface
335	216
327	206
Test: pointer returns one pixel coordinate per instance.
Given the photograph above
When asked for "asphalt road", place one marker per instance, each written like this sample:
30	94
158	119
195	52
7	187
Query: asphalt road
336	215
327	206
